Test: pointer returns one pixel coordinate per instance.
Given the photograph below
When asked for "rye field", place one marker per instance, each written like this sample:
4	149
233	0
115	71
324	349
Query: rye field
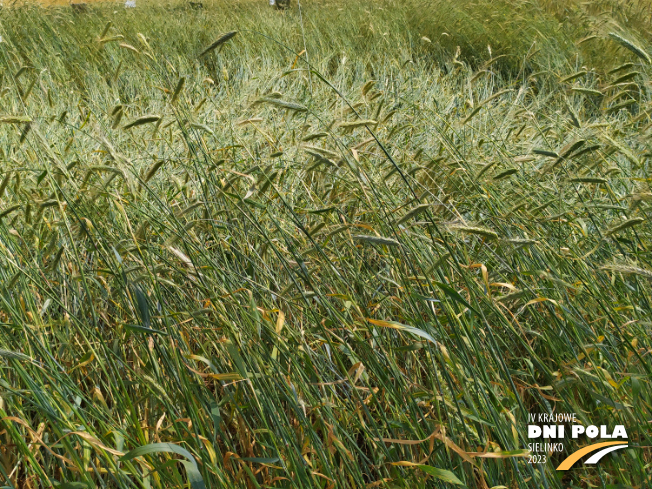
348	244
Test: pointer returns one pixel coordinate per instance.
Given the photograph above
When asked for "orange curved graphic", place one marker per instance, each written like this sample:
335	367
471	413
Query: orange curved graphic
575	456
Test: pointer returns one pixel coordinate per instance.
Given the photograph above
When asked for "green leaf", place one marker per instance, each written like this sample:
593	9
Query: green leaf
142	329
441	474
194	477
636	388
453	294
143	308
607	401
420	297
41	177
259	460
254	203
237	359
217	418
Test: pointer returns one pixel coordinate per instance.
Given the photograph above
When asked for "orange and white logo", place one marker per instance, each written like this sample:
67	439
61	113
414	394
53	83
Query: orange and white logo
603	449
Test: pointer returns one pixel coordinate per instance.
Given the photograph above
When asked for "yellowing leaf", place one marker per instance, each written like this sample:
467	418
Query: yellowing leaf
280	321
227	376
506	454
503	284
402	327
541	299
405	464
95	442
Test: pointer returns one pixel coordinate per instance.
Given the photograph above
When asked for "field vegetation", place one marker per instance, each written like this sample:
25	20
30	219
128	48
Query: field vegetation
347	245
